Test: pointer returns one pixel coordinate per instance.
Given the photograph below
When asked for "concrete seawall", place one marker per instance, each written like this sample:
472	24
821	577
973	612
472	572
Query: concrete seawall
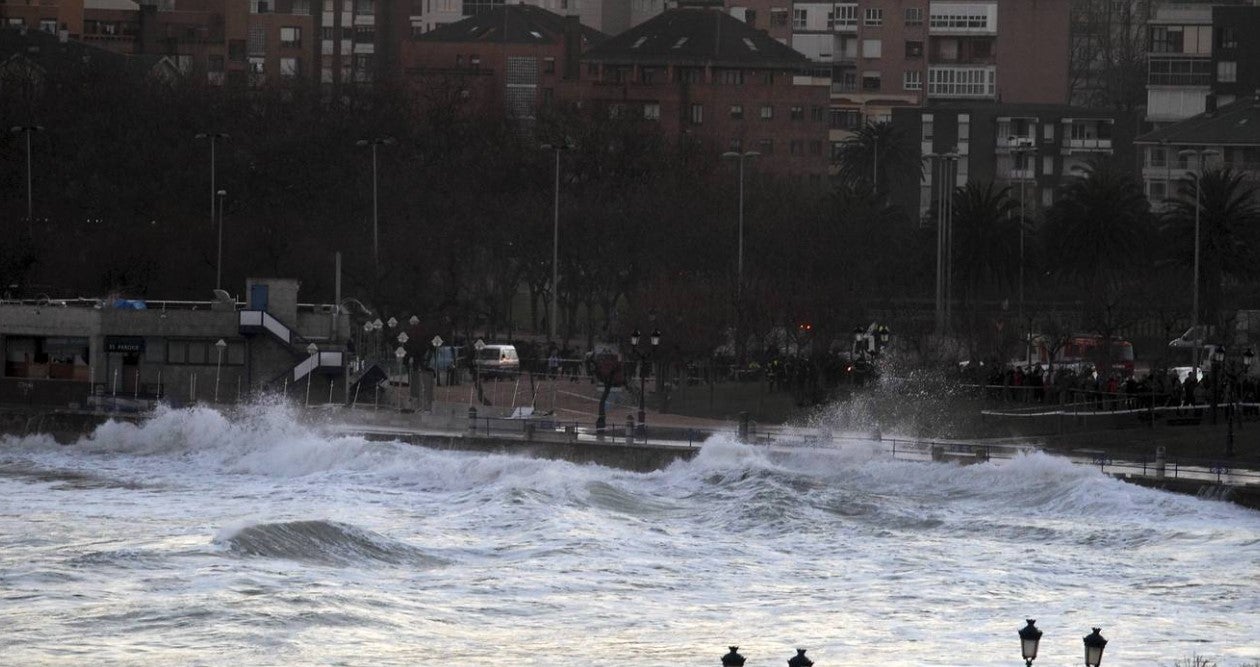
65	426
1247	495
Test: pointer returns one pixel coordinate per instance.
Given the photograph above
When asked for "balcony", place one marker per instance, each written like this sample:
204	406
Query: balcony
962	19
1095	145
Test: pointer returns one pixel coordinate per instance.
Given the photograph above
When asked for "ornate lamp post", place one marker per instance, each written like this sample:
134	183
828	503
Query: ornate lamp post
1201	155
376	246
643	356
1029	639
1094	645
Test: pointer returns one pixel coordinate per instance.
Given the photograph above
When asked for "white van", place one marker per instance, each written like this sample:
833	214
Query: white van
498	360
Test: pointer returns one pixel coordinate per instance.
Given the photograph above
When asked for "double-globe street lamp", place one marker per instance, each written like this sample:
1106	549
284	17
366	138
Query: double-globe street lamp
1200	155
1030	639
28	130
642	357
213	138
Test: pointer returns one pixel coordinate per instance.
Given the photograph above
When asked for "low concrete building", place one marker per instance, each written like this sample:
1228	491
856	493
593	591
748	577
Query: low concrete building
61	352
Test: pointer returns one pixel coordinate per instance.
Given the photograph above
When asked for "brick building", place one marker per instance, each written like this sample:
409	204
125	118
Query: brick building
506	61
708	74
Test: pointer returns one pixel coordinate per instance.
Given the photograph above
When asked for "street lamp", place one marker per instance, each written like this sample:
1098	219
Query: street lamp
376	246
642	356
218	266
736	155
213	137
555	240
1218	367
1200	155
1094	645
28	130
1029	639
1022	148
944	232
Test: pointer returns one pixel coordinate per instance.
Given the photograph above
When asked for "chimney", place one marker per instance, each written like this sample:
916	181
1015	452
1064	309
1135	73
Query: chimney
572	46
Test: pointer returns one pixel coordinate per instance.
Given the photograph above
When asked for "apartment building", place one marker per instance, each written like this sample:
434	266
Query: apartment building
507	61
887	54
1179	67
703	73
1034	148
1229	136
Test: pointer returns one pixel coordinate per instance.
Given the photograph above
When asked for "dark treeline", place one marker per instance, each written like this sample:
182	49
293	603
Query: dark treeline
648	224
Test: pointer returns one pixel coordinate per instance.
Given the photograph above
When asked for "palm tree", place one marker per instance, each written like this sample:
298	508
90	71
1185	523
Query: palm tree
1100	227
875	154
1228	217
1097	235
986	238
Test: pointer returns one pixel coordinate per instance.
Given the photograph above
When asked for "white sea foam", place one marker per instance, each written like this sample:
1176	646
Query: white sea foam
231	536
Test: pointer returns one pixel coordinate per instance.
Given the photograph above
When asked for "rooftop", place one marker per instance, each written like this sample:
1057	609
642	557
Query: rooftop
1236	124
696	36
511	24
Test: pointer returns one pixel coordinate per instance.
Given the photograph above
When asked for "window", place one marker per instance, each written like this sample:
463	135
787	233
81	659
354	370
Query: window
797	113
549	65
778	17
874	17
257	40
871	81
364	7
1227	71
290	68
914	49
912	80
291	36
732	77
736	145
236	50
845	16
818	114
1047	164
872	48
929	124
799	18
651	74
961	82
257	65
737	112
914	16
796	147
1229	38
652	111
767	112
844	119
1047	132
697	114
364	34
767	77
690	75
259	7
300	8
1158	190
750	17
765	146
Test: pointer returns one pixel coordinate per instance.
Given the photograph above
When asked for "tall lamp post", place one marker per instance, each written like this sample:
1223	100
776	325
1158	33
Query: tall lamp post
555	241
1022	148
28	130
739	265
643	356
944	215
213	137
1200	155
376	244
218	265
1233	374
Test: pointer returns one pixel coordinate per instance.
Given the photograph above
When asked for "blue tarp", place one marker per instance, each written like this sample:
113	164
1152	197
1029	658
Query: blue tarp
128	304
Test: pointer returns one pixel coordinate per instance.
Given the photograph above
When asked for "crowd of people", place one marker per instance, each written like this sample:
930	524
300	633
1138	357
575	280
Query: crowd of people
1113	390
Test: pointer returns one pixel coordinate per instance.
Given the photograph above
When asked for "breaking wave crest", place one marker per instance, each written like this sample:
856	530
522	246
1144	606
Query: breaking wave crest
323	542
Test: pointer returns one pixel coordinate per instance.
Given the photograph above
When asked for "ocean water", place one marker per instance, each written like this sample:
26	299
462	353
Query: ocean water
199	539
